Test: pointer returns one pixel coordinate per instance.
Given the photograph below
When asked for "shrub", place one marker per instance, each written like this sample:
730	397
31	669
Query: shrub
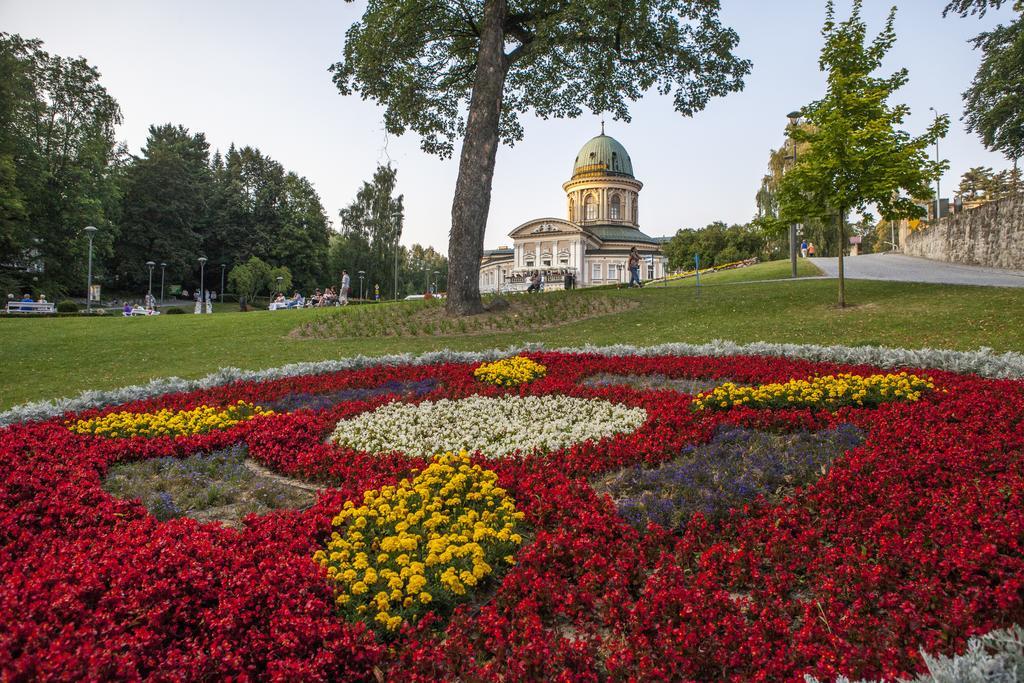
67	306
174	310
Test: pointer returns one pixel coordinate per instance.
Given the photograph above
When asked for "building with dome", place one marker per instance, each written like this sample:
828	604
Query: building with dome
593	242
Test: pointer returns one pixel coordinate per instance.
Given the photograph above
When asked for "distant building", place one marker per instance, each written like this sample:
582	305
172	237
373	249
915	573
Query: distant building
602	202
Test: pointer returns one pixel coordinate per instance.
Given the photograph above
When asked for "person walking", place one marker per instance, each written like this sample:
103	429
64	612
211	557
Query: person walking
634	268
343	294
810	250
803	248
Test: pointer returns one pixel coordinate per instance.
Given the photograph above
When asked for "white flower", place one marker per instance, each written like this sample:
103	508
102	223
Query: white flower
494	426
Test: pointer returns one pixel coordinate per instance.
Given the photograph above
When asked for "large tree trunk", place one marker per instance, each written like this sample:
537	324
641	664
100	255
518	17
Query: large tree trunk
842	243
476	166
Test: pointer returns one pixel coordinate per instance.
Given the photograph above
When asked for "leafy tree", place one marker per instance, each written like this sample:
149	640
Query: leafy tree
257	208
982	183
249	279
857	156
428	62
994	104
717	245
371	227
976	183
58	161
165	195
967	7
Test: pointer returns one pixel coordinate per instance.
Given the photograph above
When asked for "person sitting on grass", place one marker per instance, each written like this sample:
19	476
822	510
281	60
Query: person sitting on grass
127	310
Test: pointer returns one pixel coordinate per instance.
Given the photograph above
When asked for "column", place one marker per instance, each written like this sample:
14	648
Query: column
536	251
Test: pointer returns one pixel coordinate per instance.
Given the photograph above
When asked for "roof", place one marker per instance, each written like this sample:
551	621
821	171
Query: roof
602	155
619	233
498	253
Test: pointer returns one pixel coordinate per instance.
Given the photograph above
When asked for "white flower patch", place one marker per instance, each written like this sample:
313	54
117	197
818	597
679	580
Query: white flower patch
494	426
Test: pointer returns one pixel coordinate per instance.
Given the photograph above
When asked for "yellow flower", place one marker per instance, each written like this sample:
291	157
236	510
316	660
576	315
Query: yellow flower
446	527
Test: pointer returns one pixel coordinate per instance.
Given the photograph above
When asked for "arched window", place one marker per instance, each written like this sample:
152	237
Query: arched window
572	209
615	209
590	208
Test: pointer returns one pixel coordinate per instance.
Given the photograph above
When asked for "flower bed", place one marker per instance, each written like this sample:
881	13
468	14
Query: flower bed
912	540
494	426
510	372
199	420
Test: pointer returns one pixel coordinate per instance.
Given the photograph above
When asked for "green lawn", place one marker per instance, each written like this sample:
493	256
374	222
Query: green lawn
769	270
51	357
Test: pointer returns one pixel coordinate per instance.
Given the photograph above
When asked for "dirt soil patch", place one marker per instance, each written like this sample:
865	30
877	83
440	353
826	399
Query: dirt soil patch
223	486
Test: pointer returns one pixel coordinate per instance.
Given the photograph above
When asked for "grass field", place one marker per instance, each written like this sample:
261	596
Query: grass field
51	357
771	270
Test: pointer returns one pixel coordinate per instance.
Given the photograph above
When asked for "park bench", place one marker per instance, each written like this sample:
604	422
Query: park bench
30	307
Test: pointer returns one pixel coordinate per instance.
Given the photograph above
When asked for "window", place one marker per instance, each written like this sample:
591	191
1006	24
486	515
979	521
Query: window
614	210
650	269
612	272
529	261
590	208
545	260
595	272
563	258
572	210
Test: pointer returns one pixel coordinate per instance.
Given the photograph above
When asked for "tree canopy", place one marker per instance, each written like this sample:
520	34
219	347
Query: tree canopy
449	69
994	104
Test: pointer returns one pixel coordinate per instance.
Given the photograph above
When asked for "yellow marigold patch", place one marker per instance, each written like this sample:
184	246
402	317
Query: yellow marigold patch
509	372
422	545
827	393
168	422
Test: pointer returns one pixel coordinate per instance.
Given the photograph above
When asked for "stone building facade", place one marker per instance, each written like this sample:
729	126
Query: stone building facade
593	243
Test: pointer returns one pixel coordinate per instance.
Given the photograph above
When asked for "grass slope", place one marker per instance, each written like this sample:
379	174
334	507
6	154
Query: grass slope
769	270
50	357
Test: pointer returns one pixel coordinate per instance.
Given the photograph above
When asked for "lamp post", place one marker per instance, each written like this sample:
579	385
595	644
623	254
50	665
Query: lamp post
279	278
202	282
436	273
163	271
794	121
149	293
90	231
938	192
397	247
362	274
222	266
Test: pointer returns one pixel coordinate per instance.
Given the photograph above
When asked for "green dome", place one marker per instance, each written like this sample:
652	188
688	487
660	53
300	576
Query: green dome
602	155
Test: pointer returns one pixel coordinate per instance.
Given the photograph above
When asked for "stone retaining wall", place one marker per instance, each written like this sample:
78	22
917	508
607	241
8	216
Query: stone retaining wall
991	235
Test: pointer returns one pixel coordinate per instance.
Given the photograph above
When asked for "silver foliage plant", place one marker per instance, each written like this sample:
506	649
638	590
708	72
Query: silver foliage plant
996	657
983	362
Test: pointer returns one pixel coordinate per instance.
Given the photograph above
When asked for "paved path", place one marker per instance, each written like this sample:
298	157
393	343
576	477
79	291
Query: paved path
902	268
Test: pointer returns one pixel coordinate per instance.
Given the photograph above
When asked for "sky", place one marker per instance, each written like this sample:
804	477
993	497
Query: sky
254	72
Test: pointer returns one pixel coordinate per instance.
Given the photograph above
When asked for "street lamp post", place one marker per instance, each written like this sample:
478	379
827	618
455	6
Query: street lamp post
222	266
362	274
794	121
202	283
938	192
149	293
90	231
436	273
279	279
163	272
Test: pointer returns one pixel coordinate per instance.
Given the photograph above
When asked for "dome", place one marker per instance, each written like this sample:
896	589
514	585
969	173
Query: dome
602	155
